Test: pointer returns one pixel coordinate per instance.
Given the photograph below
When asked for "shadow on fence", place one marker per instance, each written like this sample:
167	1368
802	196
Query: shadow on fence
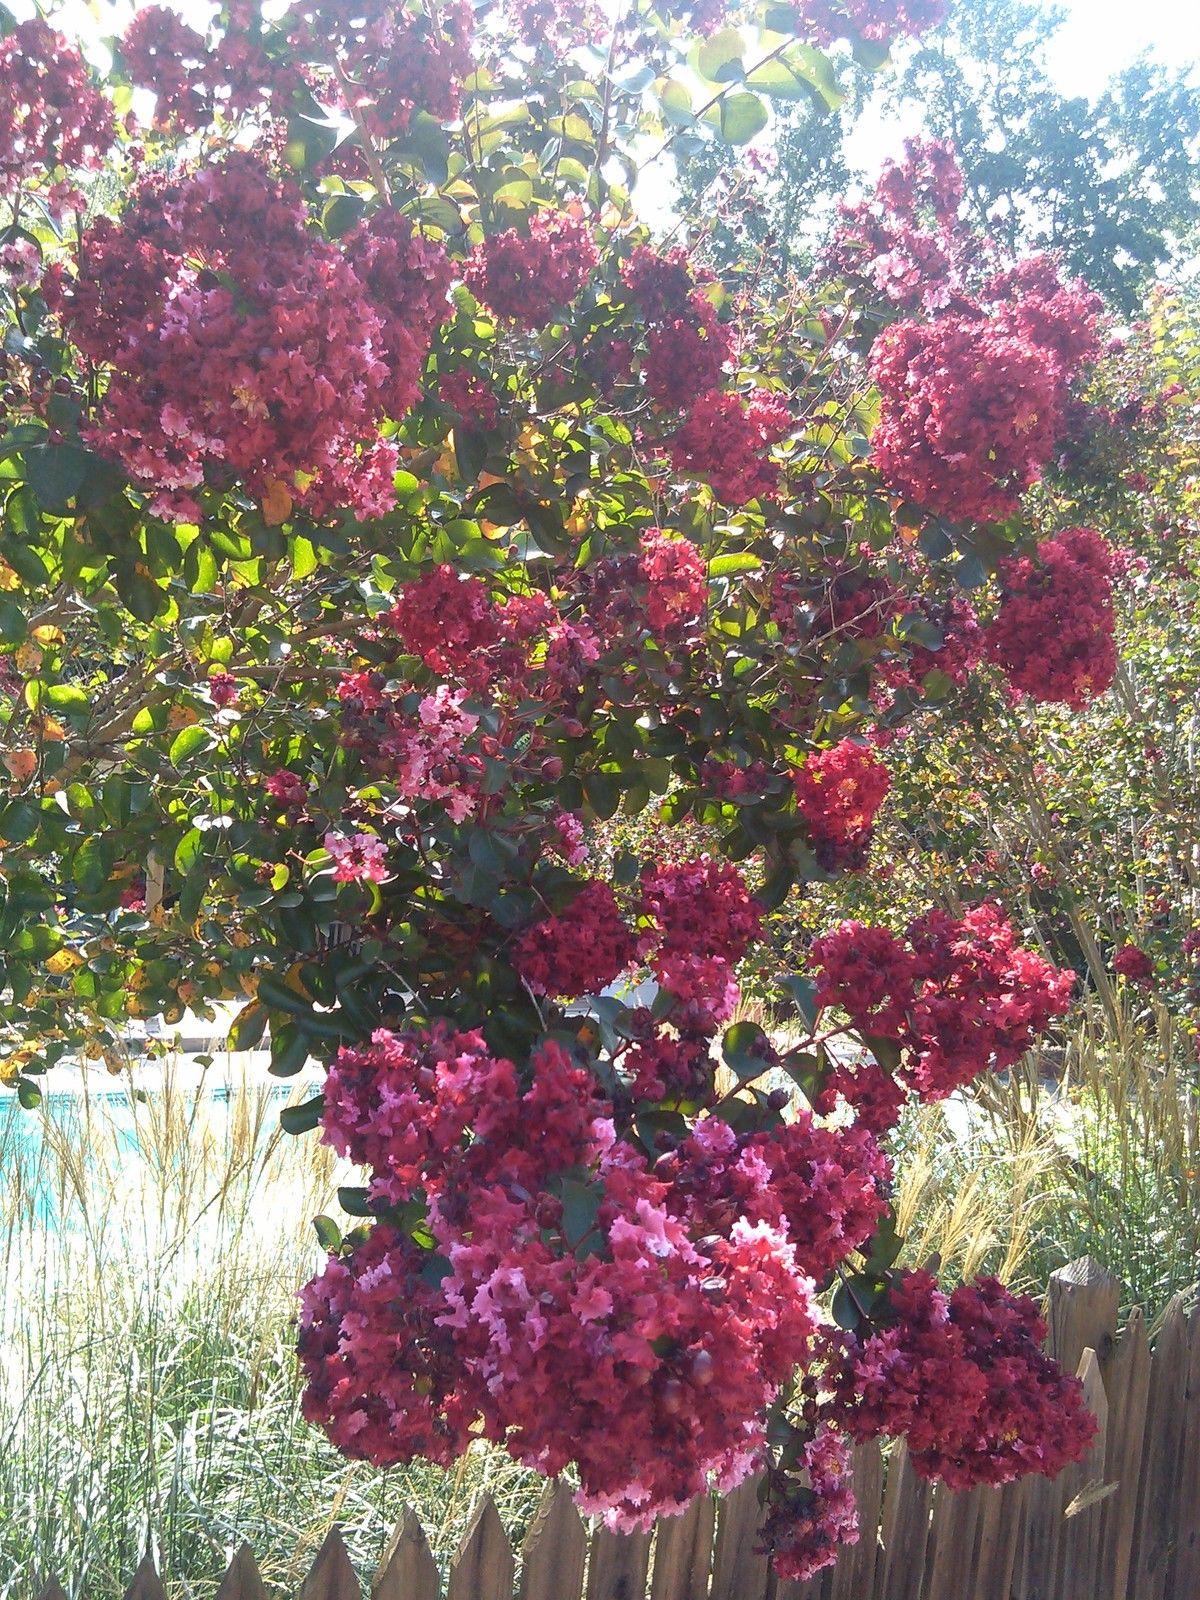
1122	1525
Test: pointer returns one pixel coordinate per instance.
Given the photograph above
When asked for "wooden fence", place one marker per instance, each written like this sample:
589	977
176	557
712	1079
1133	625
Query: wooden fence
1122	1525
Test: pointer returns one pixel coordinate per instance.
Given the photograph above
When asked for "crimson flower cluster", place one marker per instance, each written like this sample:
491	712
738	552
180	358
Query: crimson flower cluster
51	114
975	387
687	347
273	355
1053	634
906	242
1132	962
696	920
606	1320
880	21
957	996
838	793
530	277
726	439
965	1380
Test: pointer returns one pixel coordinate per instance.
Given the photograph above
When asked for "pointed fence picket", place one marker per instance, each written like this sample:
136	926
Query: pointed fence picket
1124	1524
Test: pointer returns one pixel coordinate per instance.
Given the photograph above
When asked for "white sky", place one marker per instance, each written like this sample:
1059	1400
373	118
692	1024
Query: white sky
1102	36
1098	39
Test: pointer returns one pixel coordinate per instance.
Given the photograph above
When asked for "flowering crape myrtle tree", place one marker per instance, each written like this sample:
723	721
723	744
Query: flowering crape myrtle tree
382	509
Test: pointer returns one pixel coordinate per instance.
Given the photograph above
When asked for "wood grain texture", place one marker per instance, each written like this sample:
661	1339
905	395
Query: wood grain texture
484	1565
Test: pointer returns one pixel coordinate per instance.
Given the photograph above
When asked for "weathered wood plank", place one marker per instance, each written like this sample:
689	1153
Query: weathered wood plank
683	1553
1185	1566
617	1565
740	1571
483	1568
242	1580
853	1577
1000	1517
407	1570
1082	1313
1127	1382
1080	1540
950	1565
554	1549
331	1577
1154	1536
900	1573
146	1584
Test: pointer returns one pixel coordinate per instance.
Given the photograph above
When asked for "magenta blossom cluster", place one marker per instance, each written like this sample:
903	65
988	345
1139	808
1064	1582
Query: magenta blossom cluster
838	793
956	996
880	21
1053	635
964	1378
693	922
726	440
610	1320
240	346
529	277
51	114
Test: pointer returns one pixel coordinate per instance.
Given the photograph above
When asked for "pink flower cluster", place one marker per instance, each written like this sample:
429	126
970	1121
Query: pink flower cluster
573	1319
826	1188
191	75
242	346
361	858
445	618
812	1512
880	21
687	346
51	114
725	440
387	60
838	792
965	1380
1053	635
531	277
676	580
957	996
698	919
906	243
580	951
973	403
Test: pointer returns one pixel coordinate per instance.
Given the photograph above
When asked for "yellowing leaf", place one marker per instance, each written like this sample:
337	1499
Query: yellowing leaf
63	961
47	633
22	764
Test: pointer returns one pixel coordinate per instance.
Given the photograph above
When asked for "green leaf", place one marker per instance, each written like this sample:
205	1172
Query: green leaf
728	566
189	850
12	621
275	993
329	1235
56	473
28	1093
580	1203
742	116
289	1051
353	1201
803	994
676	102
801	71
747	1051
719	59
248	1027
188	742
302	1119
